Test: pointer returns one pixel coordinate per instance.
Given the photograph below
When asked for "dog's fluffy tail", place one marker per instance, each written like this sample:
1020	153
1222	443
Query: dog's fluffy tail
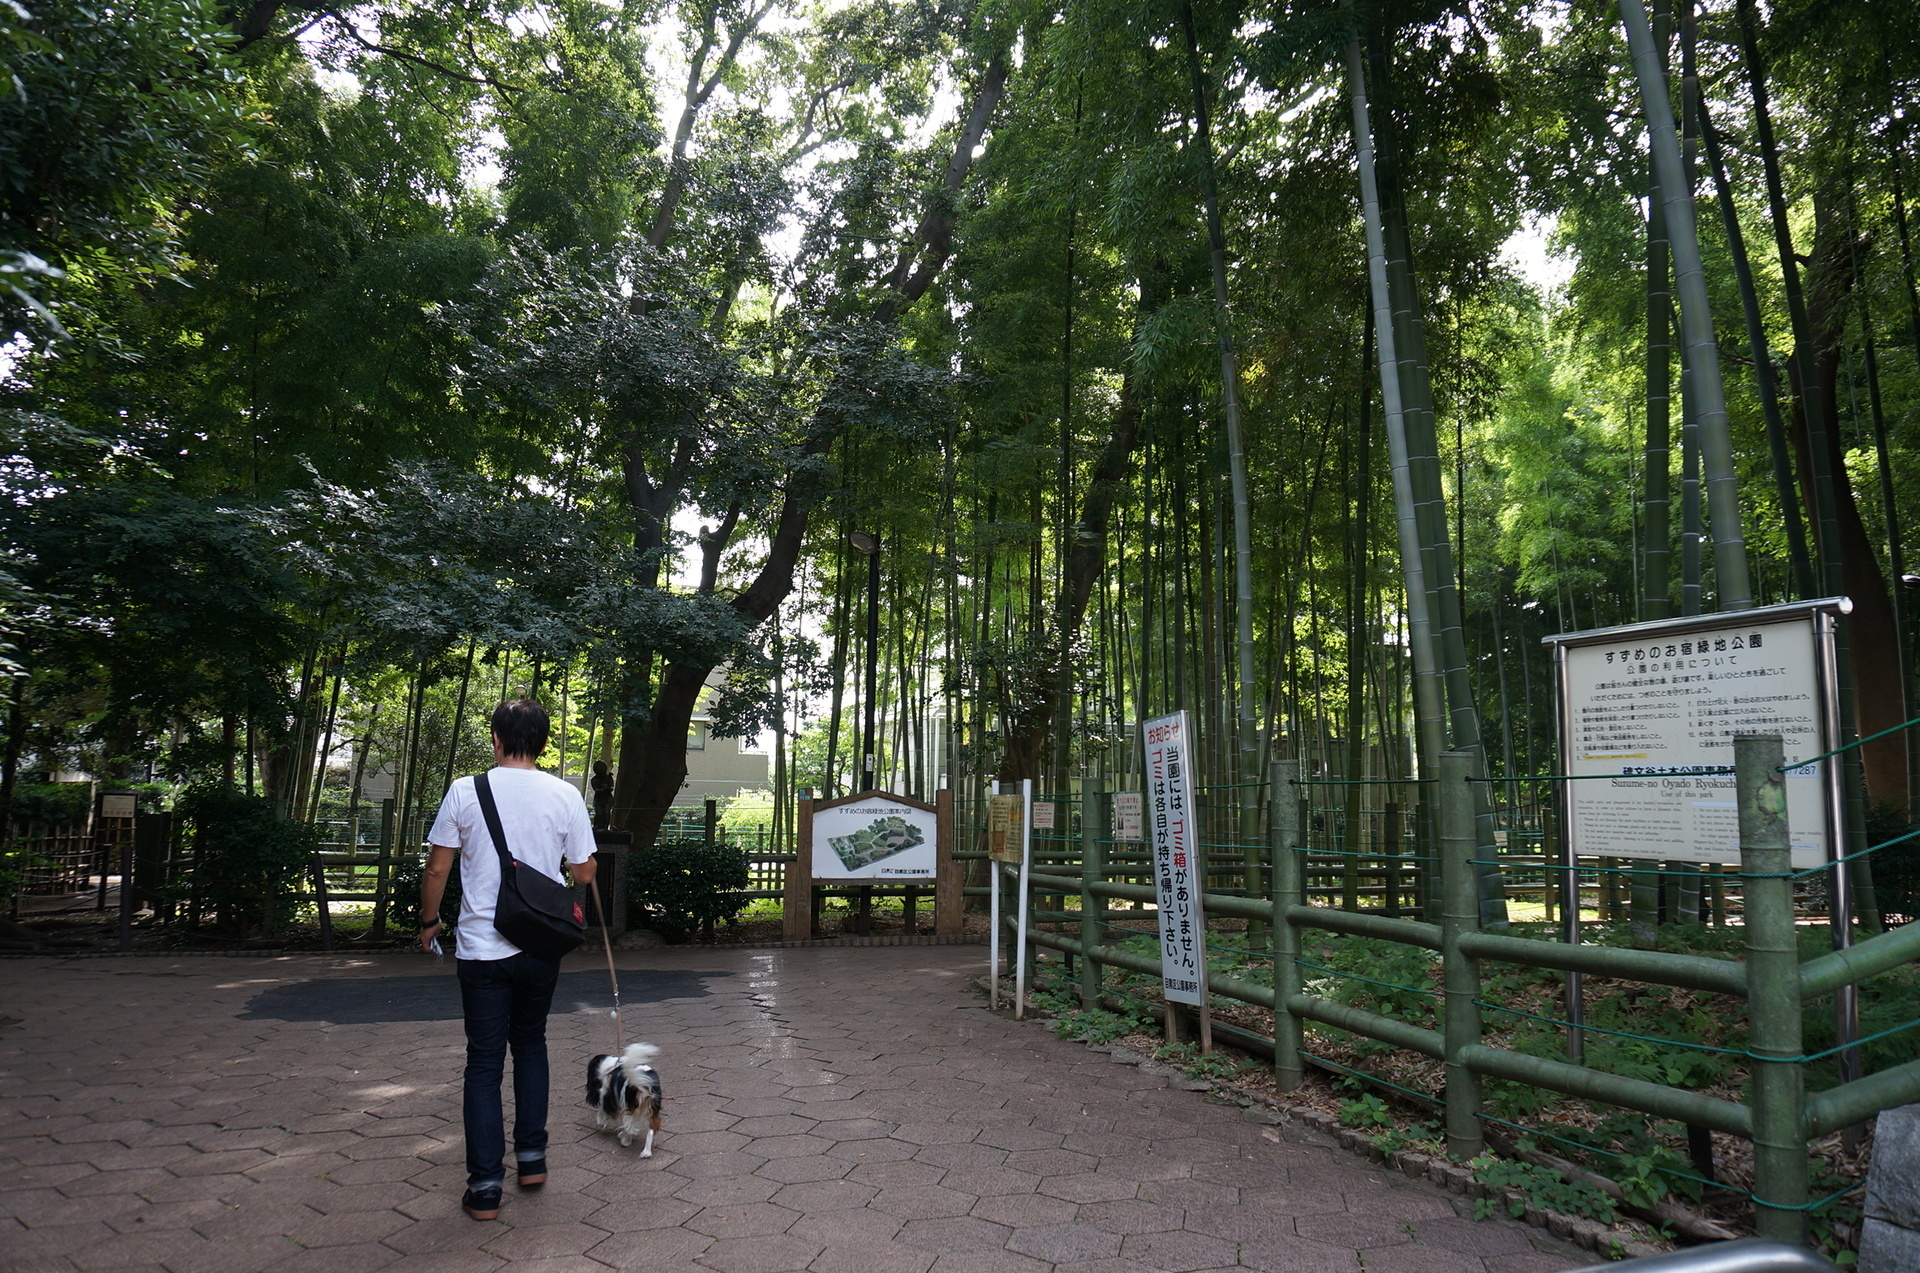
637	1055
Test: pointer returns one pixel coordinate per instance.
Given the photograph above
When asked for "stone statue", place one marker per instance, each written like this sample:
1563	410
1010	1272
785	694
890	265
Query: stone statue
602	782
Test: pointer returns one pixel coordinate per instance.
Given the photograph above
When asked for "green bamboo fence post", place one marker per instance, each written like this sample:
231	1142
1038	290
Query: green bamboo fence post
1283	830
1459	915
390	826
1773	991
1093	827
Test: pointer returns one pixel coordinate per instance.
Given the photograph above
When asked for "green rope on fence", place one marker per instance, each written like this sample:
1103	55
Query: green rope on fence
1239	950
1359	782
1675	773
1384	857
1373	1078
1354	976
1706	1047
1595	1149
1684	1175
1795	764
1581	870
1846	1047
1626	1034
1824	866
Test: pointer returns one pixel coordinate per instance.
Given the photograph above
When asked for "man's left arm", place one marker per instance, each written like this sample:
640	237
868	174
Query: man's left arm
580	845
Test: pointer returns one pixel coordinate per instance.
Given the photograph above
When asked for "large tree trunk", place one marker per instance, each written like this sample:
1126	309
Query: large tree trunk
1086	560
1873	638
653	753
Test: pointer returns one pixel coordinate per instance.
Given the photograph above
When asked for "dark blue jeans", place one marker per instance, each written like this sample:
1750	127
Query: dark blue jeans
505	1002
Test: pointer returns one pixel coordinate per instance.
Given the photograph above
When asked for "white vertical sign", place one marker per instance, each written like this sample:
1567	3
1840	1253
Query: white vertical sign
1126	815
1043	815
1174	835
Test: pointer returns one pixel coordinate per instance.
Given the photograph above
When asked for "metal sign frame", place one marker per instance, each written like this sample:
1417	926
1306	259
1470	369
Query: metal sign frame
1823	615
1820	616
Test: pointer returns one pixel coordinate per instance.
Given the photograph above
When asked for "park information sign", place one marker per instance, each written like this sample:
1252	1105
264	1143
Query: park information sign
876	838
1126	815
1006	829
1643	705
1174	833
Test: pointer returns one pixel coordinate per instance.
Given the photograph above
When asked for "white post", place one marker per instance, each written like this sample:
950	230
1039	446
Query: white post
993	923
1026	885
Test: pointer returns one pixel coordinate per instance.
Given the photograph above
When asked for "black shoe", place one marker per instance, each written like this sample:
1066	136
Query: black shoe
533	1173
483	1204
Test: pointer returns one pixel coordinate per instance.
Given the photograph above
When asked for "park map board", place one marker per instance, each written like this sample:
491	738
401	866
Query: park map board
1642	706
874	838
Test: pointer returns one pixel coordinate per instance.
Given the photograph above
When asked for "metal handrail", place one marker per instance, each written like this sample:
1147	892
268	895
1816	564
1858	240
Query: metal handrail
1743	1255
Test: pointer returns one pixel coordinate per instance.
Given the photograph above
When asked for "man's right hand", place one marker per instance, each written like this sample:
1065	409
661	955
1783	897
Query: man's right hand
428	934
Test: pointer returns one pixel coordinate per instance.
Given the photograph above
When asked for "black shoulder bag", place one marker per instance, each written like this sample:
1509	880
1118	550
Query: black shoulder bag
535	912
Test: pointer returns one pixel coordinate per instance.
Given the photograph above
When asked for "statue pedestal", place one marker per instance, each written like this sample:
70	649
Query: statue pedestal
611	850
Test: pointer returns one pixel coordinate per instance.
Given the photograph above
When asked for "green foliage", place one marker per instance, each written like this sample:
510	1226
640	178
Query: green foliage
50	803
1539	1187
1647	1178
1407	971
1896	870
1365	1111
1420	1136
247	864
1196	1064
405	885
113	115
683	885
1094	1025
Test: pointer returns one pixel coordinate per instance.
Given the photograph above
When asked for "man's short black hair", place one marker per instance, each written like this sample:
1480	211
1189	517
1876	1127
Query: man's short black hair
522	727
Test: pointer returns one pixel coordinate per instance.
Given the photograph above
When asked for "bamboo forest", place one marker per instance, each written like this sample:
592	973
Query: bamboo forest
922	397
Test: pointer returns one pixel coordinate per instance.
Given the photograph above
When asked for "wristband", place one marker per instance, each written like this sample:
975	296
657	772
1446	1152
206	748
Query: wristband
425	924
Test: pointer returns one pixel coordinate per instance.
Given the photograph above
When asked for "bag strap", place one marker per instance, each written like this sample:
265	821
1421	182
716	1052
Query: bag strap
491	812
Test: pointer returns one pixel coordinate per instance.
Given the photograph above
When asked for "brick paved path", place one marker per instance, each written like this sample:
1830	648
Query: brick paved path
834	1110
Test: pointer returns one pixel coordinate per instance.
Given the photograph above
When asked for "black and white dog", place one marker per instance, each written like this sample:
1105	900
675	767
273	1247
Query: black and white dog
625	1094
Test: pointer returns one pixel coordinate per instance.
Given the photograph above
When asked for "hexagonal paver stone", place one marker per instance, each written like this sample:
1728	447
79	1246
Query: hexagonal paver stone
921	1202
1180	1252
1470	1237
874	1257
1024	1209
955	1233
1058	1243
781	1254
1089	1186
1293	1254
1130	1215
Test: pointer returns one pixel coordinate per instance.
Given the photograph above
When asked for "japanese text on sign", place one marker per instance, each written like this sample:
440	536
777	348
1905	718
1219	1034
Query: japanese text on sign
1174	836
1651	713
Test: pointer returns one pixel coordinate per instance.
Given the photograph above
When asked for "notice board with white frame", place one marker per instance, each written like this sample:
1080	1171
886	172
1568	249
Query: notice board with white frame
1645	706
1173	837
875	837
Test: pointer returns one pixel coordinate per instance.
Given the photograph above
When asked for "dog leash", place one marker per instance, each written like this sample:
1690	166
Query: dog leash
606	938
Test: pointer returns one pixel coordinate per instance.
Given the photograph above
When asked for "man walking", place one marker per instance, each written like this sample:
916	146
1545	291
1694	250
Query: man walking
505	992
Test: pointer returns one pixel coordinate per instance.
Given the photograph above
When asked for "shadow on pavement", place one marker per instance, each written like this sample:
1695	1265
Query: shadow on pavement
372	1000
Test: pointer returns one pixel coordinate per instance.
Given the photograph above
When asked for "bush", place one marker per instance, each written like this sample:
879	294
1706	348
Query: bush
1896	870
248	863
403	893
681	885
53	804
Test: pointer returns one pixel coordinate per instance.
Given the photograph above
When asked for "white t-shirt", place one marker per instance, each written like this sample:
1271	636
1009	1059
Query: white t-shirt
545	821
